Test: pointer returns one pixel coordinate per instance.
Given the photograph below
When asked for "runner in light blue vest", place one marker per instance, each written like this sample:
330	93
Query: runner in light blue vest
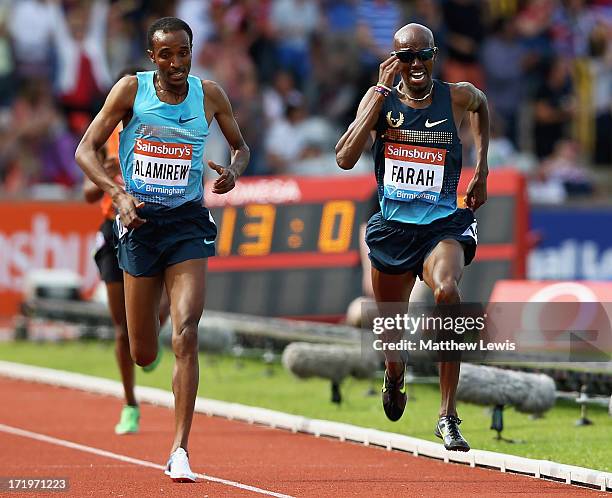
161	148
165	234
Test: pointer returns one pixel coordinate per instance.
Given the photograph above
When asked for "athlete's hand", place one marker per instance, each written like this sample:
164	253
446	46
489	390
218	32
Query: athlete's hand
476	194
226	180
126	206
387	71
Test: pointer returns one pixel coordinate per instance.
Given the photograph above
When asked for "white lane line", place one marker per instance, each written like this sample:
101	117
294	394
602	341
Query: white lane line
143	463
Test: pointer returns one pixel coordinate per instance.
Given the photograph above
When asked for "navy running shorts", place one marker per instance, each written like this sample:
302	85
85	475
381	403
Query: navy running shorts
398	248
106	254
168	237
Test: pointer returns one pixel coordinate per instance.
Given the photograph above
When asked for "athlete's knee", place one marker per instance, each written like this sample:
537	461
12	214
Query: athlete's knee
144	351
185	337
447	292
144	356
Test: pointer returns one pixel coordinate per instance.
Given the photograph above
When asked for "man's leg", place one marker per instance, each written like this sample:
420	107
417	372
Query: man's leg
142	295
116	306
185	284
130	415
442	272
392	289
164	312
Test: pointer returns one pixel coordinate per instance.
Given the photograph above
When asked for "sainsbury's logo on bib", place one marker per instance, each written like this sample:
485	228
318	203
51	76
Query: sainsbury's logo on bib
161	168
412	152
413	172
177	151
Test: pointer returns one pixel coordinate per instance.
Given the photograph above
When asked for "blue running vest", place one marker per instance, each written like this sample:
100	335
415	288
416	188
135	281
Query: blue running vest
161	149
417	159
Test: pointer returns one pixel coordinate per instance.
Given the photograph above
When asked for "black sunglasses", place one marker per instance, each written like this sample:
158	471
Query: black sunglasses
409	55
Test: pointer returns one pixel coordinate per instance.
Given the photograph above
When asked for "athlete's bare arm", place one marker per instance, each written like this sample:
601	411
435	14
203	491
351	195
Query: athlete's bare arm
351	144
91	191
469	99
218	106
118	105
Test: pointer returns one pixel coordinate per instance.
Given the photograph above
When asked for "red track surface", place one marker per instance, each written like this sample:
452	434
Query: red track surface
274	460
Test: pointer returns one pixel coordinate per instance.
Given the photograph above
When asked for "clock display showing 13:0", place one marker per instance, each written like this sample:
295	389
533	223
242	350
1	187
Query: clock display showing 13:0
261	229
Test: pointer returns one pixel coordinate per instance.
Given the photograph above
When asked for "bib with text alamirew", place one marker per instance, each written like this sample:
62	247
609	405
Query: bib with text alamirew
161	168
413	172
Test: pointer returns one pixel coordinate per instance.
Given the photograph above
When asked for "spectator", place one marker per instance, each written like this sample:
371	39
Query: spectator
340	16
464	35
501	149
572	23
600	48
7	63
196	14
122	49
276	97
377	21
534	26
333	58
31	29
554	107
83	73
285	143
502	59
322	54
294	22
262	48
38	148
566	167
248	108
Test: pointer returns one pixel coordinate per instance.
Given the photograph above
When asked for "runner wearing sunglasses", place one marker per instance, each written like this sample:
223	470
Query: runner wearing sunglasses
419	230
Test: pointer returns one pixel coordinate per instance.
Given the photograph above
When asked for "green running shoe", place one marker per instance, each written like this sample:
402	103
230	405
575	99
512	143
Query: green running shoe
152	366
130	420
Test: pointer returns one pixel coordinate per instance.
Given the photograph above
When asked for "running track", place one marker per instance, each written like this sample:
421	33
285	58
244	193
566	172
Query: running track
267	462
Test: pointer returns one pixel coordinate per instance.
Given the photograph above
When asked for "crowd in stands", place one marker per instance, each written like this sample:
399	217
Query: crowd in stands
295	71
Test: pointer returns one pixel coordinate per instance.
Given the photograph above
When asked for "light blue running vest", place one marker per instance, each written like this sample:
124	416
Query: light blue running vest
161	149
417	159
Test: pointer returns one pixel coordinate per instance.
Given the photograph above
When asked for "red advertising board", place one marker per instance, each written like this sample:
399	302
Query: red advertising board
36	235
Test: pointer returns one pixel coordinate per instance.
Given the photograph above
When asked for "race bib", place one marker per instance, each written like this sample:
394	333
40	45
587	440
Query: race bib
161	168
413	172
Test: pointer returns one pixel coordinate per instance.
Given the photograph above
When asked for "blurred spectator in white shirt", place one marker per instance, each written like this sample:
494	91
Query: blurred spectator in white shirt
285	142
275	97
294	21
83	76
31	29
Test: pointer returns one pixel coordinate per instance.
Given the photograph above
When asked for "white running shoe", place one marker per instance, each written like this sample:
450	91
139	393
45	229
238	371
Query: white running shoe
178	467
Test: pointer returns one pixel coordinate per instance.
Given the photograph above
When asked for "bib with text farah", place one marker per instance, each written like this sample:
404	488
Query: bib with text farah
413	172
161	168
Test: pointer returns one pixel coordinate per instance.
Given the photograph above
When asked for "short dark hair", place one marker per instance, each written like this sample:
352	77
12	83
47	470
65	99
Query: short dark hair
168	25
